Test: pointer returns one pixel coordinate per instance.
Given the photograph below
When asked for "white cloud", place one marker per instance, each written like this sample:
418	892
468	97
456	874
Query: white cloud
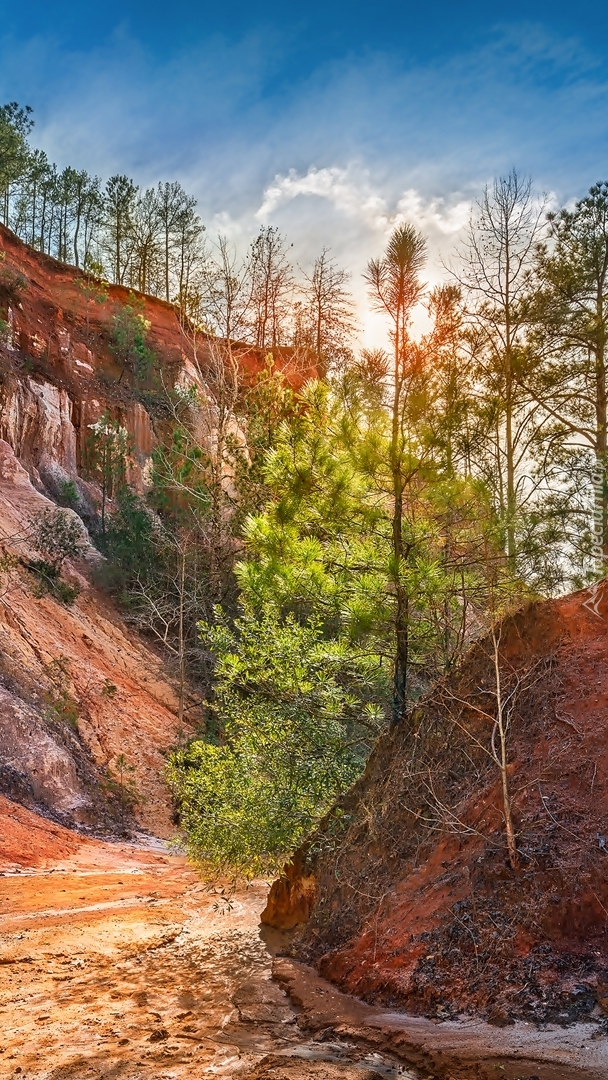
434	213
349	194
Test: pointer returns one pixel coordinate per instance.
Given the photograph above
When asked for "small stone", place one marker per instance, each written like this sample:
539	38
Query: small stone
159	1035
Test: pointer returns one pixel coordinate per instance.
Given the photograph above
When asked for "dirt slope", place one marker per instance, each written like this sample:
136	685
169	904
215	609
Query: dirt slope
412	899
125	704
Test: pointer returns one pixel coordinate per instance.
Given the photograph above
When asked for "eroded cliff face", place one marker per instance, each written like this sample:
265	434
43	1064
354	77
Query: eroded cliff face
58	375
410	897
77	687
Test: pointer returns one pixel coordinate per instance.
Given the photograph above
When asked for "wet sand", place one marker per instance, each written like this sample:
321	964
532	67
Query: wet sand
117	962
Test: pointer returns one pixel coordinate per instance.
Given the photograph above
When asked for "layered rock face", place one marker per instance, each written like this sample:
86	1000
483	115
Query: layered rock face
59	373
77	687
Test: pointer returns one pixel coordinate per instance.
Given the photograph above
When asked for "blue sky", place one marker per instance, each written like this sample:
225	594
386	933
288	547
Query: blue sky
331	120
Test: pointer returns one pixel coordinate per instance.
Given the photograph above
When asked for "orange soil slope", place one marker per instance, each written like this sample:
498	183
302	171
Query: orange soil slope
414	901
27	840
61	322
137	718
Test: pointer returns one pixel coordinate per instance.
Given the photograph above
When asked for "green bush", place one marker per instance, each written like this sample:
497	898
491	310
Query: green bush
287	702
68	494
58	536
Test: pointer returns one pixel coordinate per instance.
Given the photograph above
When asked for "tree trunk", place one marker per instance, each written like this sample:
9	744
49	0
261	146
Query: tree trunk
182	651
502	761
510	453
401	598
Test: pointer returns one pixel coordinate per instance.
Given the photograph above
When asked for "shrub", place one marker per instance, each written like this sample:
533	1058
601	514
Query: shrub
58	536
68	494
288	703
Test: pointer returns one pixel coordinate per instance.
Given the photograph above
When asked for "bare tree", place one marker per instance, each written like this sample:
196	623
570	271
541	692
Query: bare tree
219	294
189	248
495	263
271	284
326	322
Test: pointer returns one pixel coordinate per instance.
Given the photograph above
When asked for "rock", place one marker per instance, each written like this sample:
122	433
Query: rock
46	768
291	897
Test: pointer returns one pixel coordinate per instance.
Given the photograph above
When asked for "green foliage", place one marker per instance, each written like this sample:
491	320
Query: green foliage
65	592
129	539
50	583
264	405
107	449
68	494
8	562
322	547
15	125
157	566
566	378
58	535
295	732
302	681
182	473
129	333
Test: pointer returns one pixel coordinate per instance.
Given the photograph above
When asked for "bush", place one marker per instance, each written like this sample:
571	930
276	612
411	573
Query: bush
68	494
57	535
288	705
50	583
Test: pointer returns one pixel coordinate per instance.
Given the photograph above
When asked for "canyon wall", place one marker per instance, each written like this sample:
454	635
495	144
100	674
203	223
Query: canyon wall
78	688
58	370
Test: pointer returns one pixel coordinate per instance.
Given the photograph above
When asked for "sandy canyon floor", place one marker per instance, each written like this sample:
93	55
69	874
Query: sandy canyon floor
117	962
